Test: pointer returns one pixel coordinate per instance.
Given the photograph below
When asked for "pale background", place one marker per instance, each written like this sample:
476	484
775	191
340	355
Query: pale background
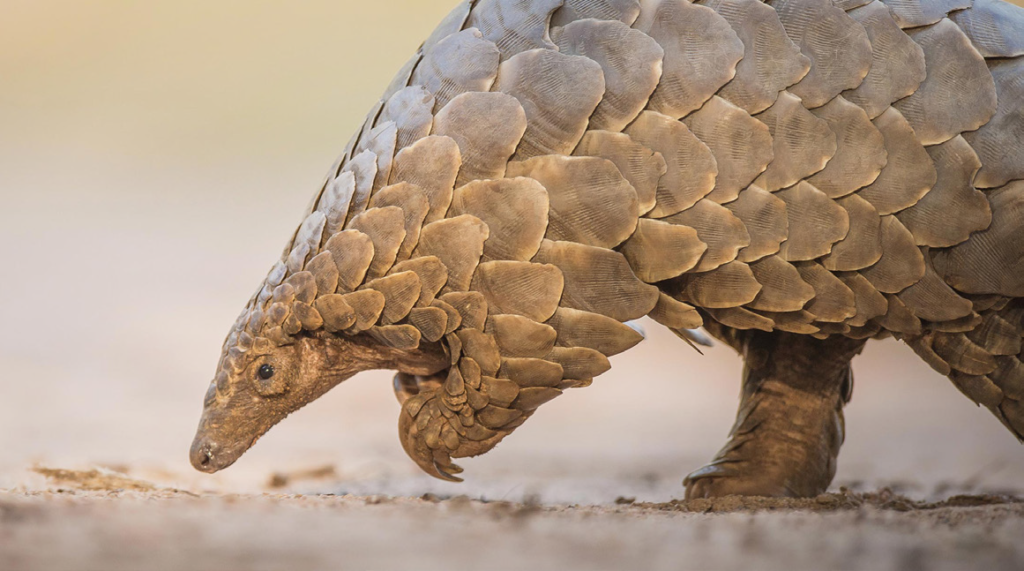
154	157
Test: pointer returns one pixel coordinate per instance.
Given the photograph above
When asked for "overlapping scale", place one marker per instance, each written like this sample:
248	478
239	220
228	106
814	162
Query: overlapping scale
641	166
998	142
590	202
514	25
701	53
929	220
771	61
917	13
802	143
897	64
991	261
630	60
996	28
958	93
558	92
860	150
691	168
515	210
836	44
460	63
625	11
741	145
487	127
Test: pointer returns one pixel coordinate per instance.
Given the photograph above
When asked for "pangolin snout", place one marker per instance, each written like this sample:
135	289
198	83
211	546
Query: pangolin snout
201	456
207	456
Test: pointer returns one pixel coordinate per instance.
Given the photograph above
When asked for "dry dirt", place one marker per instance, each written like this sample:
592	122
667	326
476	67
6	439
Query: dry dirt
135	525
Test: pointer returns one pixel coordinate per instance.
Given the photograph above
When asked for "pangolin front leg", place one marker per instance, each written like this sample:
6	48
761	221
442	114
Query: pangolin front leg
790	426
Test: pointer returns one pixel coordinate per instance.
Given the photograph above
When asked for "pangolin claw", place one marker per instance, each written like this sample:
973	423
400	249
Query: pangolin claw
700	338
701	482
445	468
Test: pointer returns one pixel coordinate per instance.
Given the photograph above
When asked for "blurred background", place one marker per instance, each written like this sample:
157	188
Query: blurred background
154	158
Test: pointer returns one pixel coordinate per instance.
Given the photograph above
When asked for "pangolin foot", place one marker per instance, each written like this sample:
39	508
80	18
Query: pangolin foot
744	478
784	444
790	423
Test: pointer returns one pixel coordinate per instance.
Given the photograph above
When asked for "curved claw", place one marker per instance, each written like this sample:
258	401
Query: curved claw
736	478
695	338
443	461
701	483
445	469
700	338
726	478
713	470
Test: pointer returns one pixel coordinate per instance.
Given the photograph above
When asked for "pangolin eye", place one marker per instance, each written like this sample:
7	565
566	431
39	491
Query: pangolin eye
265	372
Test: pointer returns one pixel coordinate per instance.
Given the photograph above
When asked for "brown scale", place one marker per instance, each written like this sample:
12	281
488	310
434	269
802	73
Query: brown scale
897	64
822	30
412	111
741	145
803	144
515	211
771	61
460	63
958	94
630	60
996	141
684	29
558	92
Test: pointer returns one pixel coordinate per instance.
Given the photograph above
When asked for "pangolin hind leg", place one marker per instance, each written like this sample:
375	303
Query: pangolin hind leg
790	423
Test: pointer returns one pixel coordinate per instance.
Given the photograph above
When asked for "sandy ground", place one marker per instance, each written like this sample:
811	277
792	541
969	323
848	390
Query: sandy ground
168	531
154	156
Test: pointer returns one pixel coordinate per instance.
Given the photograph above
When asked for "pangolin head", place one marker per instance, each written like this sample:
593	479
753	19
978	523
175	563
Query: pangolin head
279	357
257	384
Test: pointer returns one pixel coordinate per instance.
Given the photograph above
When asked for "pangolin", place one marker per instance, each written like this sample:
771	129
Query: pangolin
796	177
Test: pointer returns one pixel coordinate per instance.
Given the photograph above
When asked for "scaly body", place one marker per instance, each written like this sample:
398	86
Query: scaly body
797	177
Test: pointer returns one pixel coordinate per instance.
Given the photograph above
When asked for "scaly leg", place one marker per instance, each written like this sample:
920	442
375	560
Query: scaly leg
790	422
